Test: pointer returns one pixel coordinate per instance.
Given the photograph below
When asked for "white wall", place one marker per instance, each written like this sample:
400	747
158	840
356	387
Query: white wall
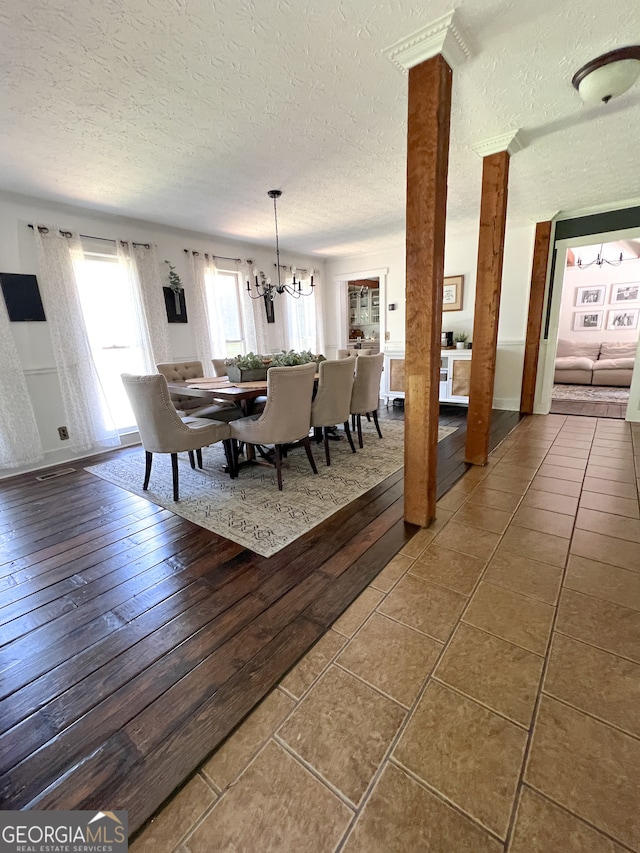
461	250
595	276
17	255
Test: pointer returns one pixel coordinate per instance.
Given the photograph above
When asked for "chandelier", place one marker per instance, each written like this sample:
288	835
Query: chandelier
263	285
599	261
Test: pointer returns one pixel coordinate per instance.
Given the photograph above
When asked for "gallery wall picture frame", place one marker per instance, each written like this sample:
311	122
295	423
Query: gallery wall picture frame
589	296
622	294
623	318
587	321
452	288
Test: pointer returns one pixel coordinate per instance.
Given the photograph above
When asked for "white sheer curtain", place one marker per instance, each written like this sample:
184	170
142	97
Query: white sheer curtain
252	321
86	411
303	317
145	283
207	326
19	437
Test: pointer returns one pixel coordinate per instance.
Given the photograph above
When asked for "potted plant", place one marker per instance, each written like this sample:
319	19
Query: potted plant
253	367
247	368
460	339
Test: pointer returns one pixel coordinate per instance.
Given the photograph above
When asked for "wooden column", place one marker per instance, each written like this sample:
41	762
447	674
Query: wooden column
427	164
534	320
493	217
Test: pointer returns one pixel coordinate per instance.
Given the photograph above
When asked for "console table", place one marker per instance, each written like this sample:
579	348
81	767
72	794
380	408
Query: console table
455	370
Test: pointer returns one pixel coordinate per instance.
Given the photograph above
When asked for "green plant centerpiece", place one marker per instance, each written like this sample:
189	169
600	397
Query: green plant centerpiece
460	339
253	368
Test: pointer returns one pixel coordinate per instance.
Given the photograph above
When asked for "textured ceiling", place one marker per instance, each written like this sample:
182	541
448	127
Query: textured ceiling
185	112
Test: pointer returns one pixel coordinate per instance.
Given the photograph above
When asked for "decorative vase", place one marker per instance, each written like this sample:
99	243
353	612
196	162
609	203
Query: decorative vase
461	344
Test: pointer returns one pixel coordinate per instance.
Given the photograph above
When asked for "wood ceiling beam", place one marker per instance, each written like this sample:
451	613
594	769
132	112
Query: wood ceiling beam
427	165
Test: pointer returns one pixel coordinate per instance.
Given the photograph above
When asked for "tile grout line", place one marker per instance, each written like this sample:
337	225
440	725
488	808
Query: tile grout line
388	755
388	759
536	709
443	798
590	714
578	817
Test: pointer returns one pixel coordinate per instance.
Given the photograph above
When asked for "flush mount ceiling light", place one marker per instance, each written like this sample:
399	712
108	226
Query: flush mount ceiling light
608	75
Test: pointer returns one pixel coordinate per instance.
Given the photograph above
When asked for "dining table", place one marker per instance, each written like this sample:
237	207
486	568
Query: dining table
219	389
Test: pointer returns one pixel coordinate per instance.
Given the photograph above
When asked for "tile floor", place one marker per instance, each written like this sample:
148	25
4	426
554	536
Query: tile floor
483	694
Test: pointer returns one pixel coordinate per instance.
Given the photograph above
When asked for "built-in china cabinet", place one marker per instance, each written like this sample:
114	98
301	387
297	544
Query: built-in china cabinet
364	314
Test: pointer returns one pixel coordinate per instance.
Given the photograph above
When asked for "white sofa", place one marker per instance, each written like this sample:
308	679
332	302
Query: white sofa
593	363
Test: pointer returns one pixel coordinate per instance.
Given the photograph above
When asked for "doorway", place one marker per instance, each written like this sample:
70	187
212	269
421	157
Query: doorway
363	297
593	328
348	306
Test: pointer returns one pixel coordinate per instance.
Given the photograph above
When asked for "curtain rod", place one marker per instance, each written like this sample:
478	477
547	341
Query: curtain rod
44	230
237	260
220	257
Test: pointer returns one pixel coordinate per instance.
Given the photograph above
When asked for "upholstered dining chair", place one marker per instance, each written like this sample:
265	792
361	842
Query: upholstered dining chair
332	402
219	366
286	418
181	371
162	430
365	396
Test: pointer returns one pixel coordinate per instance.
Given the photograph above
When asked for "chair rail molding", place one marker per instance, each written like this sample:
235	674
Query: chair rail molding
39	370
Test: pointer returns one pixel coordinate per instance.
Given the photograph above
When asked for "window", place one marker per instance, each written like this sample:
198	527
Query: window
109	312
302	322
225	308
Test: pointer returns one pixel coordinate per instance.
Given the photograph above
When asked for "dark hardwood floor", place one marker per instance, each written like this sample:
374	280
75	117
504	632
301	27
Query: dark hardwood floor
132	641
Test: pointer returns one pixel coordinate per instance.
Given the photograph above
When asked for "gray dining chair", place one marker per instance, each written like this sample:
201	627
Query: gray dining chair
219	366
182	371
286	418
365	396
163	431
332	402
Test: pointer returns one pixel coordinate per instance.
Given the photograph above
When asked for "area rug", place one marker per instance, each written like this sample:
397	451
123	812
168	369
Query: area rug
590	393
250	510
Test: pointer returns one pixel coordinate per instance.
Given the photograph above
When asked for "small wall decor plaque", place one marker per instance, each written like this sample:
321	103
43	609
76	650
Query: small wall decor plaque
452	293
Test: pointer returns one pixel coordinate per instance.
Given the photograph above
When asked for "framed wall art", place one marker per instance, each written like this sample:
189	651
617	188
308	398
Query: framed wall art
452	293
587	321
621	294
623	318
175	305
22	297
588	296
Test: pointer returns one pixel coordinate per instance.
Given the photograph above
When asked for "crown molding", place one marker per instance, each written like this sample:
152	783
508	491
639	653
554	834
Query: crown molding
578	212
511	142
443	36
